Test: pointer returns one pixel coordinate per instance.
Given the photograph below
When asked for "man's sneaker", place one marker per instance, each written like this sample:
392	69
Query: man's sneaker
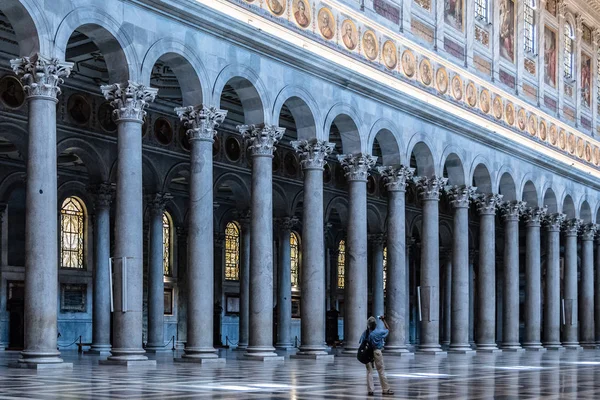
371	394
388	392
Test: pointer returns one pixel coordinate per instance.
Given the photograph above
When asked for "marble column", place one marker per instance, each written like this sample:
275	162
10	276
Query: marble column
3	329
41	78
284	284
103	195
244	219
571	317
552	300
446	296
429	191
460	197
357	168
377	242
586	297
312	303
485	336
396	308
511	211
201	122
156	285
597	293
261	142
533	280
129	100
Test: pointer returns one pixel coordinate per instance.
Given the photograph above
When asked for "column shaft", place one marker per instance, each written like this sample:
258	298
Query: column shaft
552	301
244	283
571	325
533	280
284	287
377	275
586	303
597	294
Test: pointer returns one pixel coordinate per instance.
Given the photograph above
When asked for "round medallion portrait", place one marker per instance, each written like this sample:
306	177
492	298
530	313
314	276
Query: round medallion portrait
79	109
441	80
509	112
349	34
12	94
184	141
498	107
471	94
522	119
389	54
580	147
571	143
408	63
426	72
301	11
277	7
457	88
163	131
562	139
553	135
596	155
533	125
370	46
233	150
543	130
588	152
326	23
106	117
484	101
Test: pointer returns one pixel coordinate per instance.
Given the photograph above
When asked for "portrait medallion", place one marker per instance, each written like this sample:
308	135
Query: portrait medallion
580	147
571	143
543	130
562	139
533	125
441	79
426	72
11	92
233	149
301	12
106	117
522	119
390	54
349	34
498	107
596	155
484	101
370	46
277	7
79	109
457	88
326	23
588	152
408	63
163	131
471	94
509	112
553	135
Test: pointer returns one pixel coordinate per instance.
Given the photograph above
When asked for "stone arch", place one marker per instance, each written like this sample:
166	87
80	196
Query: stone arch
422	157
281	207
88	154
16	135
375	221
454	167
186	65
585	212
550	201
568	207
297	202
150	175
304	109
346	120
250	90
75	189
530	194
233	181
506	186
339	204
382	134
482	179
9	183
446	236
30	24
175	212
173	173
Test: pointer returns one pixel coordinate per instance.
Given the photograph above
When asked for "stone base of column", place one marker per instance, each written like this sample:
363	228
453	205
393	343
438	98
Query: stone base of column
589	345
157	349
431	350
533	346
311	356
398	352
200	360
488	351
572	346
41	366
129	363
460	349
553	346
241	347
40	360
128	358
350	351
284	346
512	347
487	348
264	354
99	350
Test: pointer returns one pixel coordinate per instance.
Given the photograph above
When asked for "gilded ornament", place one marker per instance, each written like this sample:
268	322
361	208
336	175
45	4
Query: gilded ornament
390	54
408	63
509	114
349	34
533	125
441	78
426	72
543	130
471	94
553	135
484	101
498	107
522	119
457	88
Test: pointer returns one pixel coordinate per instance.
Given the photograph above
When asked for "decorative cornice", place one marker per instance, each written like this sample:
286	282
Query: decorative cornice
571	226
357	166
488	203
313	152
512	210
129	100
243	217
396	178
201	121
286	223
461	196
535	215
103	194
261	139
377	239
158	202
41	76
553	222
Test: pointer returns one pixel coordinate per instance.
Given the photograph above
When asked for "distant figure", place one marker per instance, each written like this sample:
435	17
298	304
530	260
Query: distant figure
377	338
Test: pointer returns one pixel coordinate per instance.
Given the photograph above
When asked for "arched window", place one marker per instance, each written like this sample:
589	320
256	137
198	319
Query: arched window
232	251
529	31
481	10
71	233
167	245
295	259
341	264
384	267
568	56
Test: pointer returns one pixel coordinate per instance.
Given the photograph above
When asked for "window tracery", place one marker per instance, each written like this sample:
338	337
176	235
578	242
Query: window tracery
71	233
529	28
481	10
568	52
232	251
167	267
295	259
341	264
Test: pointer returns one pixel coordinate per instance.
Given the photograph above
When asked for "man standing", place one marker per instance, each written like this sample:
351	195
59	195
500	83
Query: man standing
377	338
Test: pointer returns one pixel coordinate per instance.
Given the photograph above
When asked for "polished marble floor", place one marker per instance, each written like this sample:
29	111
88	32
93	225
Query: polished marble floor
549	375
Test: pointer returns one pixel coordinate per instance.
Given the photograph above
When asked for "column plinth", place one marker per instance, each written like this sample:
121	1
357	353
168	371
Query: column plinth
552	300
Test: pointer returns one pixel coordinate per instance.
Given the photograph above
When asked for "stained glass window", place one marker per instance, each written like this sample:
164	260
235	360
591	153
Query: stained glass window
295	259
481	10
529	30
341	261
71	233
167	267
232	251
384	267
568	54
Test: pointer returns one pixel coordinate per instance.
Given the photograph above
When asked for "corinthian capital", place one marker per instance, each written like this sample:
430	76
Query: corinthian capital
460	196
357	166
261	138
312	153
41	76
286	223
535	215
553	222
129	99
158	202
512	210
103	194
571	226
396	178
487	203
201	121
430	188
588	231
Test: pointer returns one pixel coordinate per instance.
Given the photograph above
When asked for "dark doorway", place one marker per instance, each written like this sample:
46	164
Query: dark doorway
15	304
